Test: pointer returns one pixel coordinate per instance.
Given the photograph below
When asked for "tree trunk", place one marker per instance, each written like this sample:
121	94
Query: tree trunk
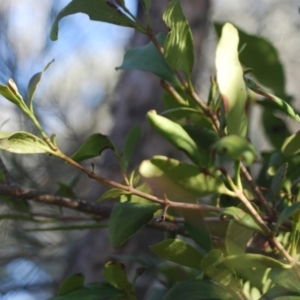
137	93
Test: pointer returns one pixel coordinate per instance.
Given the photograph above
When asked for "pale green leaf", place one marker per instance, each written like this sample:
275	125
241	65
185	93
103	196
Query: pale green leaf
112	193
291	145
231	81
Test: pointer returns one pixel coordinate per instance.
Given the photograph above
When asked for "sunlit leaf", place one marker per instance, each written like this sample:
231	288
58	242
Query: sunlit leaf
97	10
179	252
262	57
179	181
240	217
130	143
291	145
34	82
198	290
10	93
23	143
231	81
71	284
236	147
112	193
115	275
127	219
147	58
93	147
179	47
176	135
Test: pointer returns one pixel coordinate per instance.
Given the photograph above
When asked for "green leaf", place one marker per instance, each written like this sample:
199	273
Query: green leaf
23	143
279	293
127	219
176	135
286	213
93	292
197	290
93	147
178	252
148	58
97	10
250	261
130	143
112	193
240	217
286	279
231	81
291	145
237	238
211	265
276	102
179	181
71	284
115	275
199	233
34	82
236	147
11	93
262	57
179	47
277	181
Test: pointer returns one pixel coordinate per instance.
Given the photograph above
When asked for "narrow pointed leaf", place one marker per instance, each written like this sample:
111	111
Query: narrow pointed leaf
176	135
179	47
199	290
113	193
147	58
127	219
278	181
97	10
71	284
291	145
287	213
236	147
34	82
130	143
240	217
93	147
231	81
179	181
23	143
179	252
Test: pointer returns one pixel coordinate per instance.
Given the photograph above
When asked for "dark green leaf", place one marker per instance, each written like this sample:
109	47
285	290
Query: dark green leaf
71	284
147	58
34	82
199	233
236	147
93	147
287	212
115	275
179	252
127	219
130	143
278	181
23	143
197	290
93	292
231	82
113	193
240	217
178	180
262	57
279	293
291	145
97	10
179	47
176	135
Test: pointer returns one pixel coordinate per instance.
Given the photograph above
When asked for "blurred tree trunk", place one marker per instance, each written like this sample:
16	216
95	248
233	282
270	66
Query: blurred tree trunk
137	93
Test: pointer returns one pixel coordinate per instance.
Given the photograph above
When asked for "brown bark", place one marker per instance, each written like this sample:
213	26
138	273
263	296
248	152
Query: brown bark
137	92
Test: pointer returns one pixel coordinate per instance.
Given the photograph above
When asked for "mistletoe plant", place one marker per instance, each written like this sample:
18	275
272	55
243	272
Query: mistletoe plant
238	235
